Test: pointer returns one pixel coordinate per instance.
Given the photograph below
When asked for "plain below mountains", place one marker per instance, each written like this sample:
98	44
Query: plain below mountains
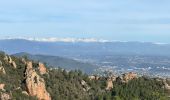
65	63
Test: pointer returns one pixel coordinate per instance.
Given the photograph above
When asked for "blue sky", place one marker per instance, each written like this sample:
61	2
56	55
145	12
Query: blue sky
125	20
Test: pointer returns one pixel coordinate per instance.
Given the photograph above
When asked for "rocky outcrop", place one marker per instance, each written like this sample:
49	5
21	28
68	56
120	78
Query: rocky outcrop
23	60
5	96
85	85
113	78
109	84
42	68
14	64
2	70
129	76
166	85
10	61
2	86
93	77
35	84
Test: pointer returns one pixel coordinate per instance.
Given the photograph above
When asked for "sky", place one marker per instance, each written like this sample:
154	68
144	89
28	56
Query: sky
124	20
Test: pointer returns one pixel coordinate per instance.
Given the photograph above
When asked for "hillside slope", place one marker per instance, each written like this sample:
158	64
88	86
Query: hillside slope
65	63
22	79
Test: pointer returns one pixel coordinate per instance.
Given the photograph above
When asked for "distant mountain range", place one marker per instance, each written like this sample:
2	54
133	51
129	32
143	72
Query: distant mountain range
76	49
92	55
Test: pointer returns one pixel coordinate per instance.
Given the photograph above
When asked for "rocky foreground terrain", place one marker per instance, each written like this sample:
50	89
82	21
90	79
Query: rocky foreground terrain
23	79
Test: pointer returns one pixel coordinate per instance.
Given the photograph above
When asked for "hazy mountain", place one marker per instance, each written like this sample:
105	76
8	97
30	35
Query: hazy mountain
62	62
75	49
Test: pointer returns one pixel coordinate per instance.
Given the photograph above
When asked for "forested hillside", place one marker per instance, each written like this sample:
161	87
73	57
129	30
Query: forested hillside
22	79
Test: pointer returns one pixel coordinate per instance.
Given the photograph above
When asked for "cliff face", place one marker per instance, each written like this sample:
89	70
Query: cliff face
35	84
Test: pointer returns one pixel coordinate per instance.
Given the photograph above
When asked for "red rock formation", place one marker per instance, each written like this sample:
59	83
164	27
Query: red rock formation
2	87
109	84
42	68
129	76
35	84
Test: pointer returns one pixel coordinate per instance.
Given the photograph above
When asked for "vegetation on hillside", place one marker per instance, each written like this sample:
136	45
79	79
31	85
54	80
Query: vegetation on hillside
64	85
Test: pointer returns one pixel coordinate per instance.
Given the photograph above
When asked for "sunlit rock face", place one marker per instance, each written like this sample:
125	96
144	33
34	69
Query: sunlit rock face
109	84
35	84
42	68
2	87
129	76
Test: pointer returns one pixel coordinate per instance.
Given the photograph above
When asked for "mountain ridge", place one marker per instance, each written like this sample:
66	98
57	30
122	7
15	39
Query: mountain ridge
70	49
